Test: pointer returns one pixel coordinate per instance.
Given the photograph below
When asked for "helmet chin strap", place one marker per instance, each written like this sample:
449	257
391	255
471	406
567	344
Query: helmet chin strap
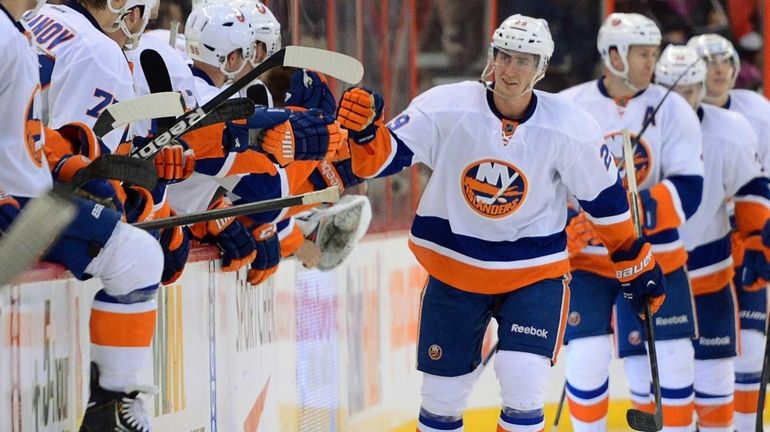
490	67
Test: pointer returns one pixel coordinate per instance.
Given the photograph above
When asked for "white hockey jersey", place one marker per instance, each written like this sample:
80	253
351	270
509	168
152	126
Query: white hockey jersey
756	109
82	71
730	163
667	161
492	216
24	171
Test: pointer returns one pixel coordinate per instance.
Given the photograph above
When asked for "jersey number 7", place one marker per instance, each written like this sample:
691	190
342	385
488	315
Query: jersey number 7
105	99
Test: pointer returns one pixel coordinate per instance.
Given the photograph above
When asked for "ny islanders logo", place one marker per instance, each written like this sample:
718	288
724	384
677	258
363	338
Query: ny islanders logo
642	156
493	188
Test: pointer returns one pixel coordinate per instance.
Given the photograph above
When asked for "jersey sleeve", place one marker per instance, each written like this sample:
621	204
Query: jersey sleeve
745	181
679	193
80	90
409	138
588	169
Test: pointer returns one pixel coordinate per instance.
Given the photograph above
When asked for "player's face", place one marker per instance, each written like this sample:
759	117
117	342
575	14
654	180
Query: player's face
514	72
260	53
641	64
691	93
234	62
719	78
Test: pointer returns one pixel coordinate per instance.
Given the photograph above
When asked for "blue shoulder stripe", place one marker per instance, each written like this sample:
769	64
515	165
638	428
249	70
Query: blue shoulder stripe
758	186
690	191
402	159
610	202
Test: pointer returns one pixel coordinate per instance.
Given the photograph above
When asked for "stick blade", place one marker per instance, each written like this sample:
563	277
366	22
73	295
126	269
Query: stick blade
35	229
644	421
156	105
139	172
337	65
328	195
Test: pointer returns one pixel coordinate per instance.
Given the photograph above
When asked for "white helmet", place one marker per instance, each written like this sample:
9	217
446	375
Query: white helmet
214	30
266	27
622	31
680	61
519	33
133	38
709	45
120	21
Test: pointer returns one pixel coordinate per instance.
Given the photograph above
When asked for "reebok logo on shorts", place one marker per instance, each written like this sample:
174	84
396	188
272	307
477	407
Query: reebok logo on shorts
715	341
674	320
534	331
753	315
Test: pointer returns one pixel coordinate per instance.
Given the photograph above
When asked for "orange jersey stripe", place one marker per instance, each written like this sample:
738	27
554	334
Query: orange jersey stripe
678	415
602	265
251	162
369	159
671	260
298	172
616	236
666	215
712	282
592	263
745	402
563	321
589	413
292	242
470	278
122	329
750	216
206	141
715	415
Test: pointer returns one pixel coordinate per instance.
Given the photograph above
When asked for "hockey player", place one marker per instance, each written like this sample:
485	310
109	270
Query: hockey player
723	67
732	173
95	244
669	174
248	172
490	226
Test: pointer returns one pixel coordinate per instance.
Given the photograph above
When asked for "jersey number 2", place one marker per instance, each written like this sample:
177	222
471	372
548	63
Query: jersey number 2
105	99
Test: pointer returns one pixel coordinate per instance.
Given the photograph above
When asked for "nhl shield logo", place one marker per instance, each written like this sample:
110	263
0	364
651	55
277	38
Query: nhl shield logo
434	352
635	338
642	156
573	319
493	188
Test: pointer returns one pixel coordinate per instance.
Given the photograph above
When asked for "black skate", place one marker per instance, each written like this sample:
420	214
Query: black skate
110	411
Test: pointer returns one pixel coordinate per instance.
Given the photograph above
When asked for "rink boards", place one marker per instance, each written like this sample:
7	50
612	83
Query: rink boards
306	351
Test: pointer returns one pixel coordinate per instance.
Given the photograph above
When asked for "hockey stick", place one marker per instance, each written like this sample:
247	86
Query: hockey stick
330	63
140	108
44	218
328	195
36	228
490	354
158	80
230	110
764	377
649	119
559	408
637	419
